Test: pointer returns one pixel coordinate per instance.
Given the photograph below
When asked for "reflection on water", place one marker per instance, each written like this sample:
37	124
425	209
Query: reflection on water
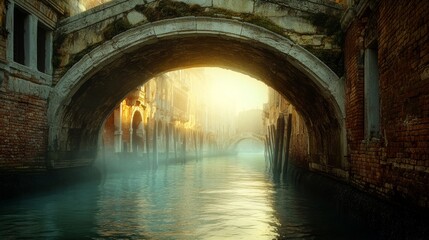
214	198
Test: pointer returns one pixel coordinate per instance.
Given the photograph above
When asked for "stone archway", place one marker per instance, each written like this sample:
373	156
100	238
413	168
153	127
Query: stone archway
89	89
233	145
136	132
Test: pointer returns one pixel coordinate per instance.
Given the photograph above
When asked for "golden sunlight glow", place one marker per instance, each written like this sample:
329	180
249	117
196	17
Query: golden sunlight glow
229	88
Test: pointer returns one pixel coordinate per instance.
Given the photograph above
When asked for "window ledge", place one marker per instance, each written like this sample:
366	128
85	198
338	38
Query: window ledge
30	73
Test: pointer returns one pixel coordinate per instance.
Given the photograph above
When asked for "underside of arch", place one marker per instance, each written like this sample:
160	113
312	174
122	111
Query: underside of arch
85	95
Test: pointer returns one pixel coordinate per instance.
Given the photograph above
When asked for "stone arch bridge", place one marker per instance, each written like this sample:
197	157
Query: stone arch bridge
106	52
102	54
236	139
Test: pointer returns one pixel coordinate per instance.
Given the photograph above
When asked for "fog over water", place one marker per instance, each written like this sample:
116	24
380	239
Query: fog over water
230	197
156	192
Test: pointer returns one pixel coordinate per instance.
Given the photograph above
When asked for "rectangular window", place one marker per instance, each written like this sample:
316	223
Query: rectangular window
20	21
372	98
41	47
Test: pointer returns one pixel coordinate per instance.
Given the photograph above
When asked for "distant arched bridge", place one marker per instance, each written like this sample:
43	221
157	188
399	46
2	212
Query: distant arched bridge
236	139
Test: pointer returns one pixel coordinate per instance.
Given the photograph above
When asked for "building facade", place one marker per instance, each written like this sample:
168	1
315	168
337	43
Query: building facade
26	43
166	116
386	56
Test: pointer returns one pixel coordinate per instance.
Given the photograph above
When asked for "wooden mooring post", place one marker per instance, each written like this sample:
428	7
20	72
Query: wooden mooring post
277	142
278	147
287	144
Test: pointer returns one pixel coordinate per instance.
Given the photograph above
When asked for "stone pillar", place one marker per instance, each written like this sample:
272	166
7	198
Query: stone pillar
9	26
31	42
118	128
49	51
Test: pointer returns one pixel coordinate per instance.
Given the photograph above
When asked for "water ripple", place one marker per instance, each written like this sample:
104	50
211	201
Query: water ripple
223	198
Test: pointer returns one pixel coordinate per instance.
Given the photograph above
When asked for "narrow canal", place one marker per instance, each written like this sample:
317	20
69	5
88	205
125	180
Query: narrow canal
213	198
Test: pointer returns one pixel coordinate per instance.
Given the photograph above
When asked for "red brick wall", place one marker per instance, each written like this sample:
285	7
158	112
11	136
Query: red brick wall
23	131
397	165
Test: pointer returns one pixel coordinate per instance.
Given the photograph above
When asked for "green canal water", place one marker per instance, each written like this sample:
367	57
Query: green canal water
212	198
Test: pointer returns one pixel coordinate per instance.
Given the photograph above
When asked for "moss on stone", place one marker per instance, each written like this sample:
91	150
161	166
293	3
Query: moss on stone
166	9
264	22
57	44
109	32
330	24
76	57
116	27
332	58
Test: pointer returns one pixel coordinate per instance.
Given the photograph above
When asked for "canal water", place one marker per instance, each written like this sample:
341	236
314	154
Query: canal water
212	198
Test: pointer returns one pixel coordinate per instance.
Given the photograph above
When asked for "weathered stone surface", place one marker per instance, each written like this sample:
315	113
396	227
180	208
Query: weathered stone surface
28	88
176	43
277	41
135	17
87	29
96	15
245	6
392	165
287	17
295	24
202	3
221	26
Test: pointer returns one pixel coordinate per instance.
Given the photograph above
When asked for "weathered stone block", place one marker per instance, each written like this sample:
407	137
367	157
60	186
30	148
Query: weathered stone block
202	3
218	25
135	17
245	6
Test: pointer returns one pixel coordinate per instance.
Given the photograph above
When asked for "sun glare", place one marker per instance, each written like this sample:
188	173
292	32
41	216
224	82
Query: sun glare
236	89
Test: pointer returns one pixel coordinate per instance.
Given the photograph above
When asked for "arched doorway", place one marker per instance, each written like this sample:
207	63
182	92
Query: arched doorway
137	135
